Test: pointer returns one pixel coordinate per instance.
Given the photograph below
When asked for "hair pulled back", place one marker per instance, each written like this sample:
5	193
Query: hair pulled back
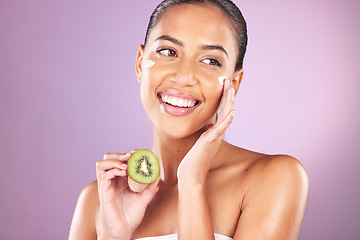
226	6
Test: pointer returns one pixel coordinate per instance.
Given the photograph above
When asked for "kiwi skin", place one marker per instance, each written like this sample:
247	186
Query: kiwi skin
143	168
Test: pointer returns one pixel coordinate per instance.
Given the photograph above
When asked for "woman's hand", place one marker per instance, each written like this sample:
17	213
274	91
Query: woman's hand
121	209
196	164
192	173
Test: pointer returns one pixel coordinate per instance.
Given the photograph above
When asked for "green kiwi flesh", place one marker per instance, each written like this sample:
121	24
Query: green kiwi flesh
143	166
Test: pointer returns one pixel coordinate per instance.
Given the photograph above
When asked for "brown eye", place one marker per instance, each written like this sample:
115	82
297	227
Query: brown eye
212	62
167	52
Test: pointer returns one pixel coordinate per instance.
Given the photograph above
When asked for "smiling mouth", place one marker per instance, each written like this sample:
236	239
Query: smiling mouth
178	101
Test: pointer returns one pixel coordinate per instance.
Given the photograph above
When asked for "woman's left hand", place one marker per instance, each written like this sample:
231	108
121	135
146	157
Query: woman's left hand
196	164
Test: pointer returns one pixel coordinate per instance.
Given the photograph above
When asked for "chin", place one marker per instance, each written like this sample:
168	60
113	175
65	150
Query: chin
175	132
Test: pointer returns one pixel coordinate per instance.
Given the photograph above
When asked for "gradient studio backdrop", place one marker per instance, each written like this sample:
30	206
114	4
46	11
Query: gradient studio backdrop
69	94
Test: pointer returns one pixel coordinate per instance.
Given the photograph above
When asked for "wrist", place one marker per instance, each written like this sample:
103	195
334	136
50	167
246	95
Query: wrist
192	180
189	189
187	177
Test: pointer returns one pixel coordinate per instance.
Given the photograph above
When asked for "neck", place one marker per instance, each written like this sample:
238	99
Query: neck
170	152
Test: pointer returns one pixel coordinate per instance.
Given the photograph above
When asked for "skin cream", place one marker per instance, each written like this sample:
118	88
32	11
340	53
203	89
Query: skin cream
221	80
148	63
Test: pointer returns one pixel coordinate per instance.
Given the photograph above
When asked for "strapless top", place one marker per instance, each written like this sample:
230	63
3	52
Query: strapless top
174	237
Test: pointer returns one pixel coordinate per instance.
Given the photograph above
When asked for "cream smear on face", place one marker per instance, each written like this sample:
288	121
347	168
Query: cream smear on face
221	80
148	63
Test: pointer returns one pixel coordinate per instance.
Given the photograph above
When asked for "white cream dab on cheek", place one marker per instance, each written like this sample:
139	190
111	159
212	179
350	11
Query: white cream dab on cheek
221	80
148	63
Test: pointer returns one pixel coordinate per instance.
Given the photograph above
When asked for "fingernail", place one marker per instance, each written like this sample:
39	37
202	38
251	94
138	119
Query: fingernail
124	165
233	113
228	82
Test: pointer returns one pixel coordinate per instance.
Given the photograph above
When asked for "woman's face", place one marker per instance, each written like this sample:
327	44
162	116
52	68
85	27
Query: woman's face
189	48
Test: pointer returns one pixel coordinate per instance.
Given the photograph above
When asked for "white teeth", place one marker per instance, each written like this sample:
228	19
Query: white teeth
175	102
178	102
165	98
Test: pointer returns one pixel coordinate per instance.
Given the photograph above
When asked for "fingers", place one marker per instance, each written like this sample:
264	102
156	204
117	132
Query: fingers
118	156
113	160
227	111
230	99
227	101
106	165
110	175
107	170
113	165
226	115
224	123
149	192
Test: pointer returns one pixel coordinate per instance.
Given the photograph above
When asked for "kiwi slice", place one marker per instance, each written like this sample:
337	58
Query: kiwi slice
143	168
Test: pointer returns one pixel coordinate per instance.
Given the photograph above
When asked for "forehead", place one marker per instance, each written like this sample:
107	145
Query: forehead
195	23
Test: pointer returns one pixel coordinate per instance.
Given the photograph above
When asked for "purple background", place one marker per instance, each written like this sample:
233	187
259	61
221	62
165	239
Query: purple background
69	94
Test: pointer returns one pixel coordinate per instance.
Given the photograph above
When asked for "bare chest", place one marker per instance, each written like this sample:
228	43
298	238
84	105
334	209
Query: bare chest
224	201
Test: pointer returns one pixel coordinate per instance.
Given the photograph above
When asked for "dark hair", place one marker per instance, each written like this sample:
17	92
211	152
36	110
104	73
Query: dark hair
226	6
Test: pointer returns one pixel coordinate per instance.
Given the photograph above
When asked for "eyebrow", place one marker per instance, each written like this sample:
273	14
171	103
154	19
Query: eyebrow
215	47
203	47
171	39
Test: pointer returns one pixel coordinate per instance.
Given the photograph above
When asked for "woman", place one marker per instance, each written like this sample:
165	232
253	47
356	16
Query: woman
189	65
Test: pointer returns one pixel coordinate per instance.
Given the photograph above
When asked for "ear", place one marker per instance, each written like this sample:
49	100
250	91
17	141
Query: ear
139	59
236	79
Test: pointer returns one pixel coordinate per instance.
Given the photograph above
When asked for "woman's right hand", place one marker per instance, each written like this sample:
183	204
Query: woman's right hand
121	210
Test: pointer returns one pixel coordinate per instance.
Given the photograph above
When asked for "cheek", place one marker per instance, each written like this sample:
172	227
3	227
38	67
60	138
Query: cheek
154	68
212	89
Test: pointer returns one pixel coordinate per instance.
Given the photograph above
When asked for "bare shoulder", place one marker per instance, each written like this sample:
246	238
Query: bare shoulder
265	166
280	165
275	195
281	171
90	193
84	219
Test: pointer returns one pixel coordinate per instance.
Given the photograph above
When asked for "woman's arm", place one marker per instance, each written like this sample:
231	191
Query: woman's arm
274	206
194	220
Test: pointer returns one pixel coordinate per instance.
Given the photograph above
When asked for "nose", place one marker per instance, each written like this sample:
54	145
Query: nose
184	75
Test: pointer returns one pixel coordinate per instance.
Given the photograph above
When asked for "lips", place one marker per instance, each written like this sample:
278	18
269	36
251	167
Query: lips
178	103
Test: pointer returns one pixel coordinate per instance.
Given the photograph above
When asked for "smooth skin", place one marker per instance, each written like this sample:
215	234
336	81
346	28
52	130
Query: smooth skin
207	185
